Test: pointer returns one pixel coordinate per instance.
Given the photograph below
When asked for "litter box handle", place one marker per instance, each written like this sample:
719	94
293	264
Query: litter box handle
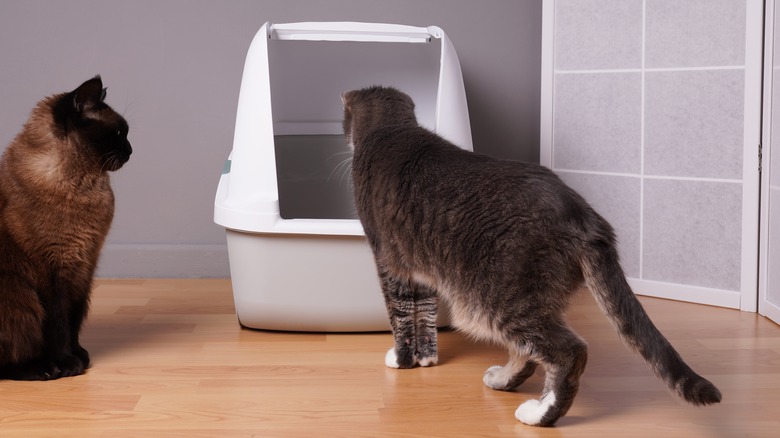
350	31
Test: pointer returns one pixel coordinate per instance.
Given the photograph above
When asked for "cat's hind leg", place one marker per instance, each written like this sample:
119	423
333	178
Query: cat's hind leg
21	335
513	374
563	355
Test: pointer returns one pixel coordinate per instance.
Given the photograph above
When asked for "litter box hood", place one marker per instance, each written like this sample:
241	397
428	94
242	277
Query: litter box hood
293	77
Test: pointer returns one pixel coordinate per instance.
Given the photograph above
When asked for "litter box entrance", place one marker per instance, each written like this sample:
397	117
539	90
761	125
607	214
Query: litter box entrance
313	177
307	79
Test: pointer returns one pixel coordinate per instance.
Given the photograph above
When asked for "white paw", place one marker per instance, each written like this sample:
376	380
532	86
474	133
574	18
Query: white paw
532	411
391	360
428	361
493	378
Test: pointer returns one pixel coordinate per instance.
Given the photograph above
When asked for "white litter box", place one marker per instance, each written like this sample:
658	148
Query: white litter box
298	257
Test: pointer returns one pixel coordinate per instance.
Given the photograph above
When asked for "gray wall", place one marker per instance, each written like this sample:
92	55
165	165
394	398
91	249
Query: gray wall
173	68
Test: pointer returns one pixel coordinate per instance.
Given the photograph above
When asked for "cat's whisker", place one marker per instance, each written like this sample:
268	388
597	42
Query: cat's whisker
341	169
346	173
110	161
105	160
336	154
128	106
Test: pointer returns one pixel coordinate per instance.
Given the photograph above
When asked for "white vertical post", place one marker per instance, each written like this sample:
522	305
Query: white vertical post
765	307
752	138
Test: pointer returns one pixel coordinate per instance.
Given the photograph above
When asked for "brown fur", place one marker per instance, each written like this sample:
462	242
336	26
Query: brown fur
56	207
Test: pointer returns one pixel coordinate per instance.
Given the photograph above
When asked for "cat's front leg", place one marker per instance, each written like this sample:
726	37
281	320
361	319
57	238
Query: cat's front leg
399	299
77	316
66	302
426	310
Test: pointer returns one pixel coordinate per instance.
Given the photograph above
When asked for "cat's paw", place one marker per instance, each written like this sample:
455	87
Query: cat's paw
391	359
532	412
71	365
36	370
426	351
428	361
494	378
408	360
82	354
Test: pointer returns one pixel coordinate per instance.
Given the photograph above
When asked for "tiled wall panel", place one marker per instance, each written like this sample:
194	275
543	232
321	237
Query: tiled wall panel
588	38
648	124
600	116
694	33
773	256
616	198
694	123
692	232
773	271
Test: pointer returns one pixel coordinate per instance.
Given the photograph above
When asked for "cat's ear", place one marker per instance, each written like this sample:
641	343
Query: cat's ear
88	94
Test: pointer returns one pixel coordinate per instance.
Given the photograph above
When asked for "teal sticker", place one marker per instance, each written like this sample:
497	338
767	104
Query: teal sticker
226	167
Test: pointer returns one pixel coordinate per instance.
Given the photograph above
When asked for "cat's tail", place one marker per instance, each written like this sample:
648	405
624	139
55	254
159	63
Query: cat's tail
607	282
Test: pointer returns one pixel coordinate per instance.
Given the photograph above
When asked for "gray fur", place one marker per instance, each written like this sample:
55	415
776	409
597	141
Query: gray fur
504	244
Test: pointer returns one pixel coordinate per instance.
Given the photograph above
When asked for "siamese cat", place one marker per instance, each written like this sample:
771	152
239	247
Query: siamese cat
56	206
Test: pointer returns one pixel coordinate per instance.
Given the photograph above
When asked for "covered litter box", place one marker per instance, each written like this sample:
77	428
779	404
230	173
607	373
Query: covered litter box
298	257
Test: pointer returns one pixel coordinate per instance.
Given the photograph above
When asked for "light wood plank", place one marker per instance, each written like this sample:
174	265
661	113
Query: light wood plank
170	360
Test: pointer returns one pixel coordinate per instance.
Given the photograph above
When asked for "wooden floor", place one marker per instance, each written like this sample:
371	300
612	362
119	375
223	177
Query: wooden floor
170	360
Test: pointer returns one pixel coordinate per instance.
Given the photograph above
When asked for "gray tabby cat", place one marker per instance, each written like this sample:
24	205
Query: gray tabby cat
504	244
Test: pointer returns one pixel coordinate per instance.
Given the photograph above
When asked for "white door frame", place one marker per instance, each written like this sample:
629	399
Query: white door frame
751	177
766	308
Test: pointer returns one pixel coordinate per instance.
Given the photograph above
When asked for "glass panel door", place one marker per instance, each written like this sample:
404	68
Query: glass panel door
769	285
652	111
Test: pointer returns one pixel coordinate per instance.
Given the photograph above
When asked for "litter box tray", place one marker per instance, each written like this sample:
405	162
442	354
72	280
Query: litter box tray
299	260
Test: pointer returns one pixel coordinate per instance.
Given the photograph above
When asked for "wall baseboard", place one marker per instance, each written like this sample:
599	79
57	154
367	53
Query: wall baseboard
163	261
688	293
